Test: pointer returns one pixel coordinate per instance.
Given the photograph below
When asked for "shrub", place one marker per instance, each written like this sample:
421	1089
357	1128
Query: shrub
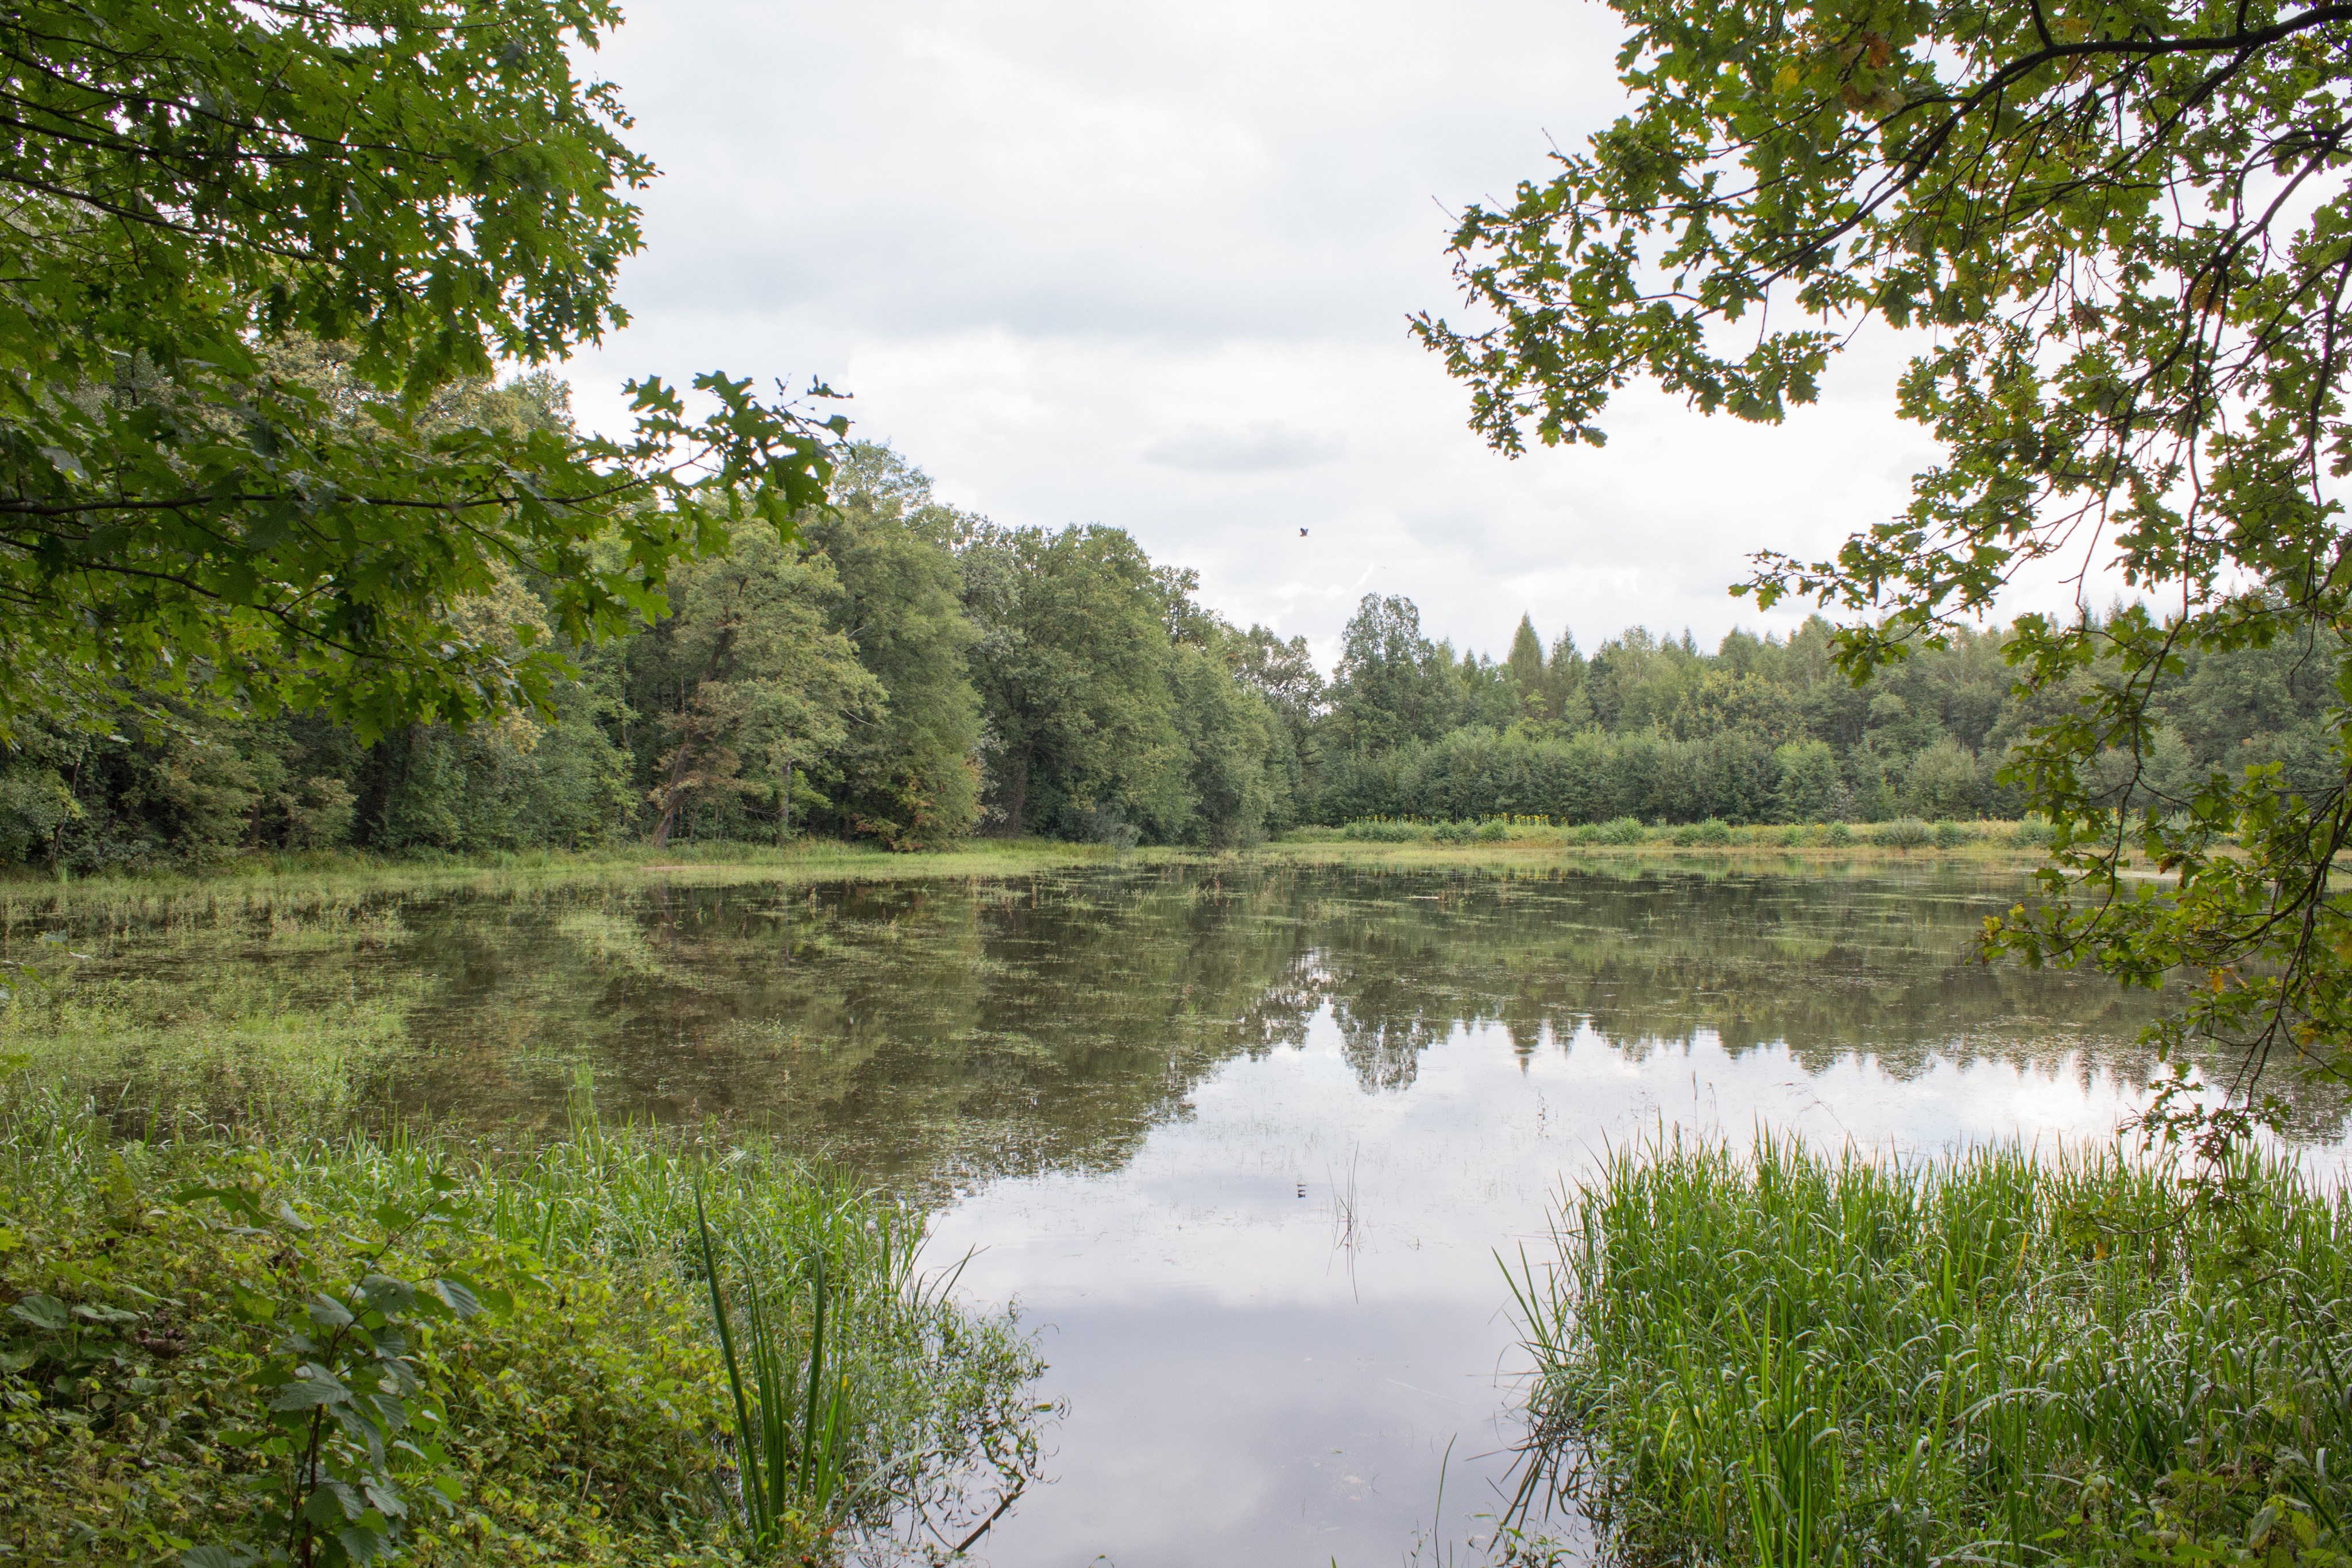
1384	831
1712	831
1616	830
1903	833
152	1403
1952	835
1493	832
1837	835
2034	832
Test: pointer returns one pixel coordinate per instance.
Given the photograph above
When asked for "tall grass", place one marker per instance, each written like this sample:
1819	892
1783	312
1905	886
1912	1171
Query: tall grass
1790	1359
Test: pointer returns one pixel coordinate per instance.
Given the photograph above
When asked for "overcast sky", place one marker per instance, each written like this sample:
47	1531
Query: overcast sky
1150	265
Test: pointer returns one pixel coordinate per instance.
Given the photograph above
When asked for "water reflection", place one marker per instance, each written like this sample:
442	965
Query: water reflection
955	1032
1245	1143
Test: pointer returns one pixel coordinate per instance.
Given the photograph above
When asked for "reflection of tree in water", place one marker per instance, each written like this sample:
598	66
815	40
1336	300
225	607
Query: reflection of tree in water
935	1032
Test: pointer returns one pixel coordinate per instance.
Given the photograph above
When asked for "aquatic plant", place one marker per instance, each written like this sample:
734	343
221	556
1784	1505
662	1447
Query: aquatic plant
1790	1359
789	1453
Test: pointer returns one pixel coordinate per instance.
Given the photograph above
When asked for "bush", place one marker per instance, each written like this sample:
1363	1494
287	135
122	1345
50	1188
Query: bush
2034	832
1385	830
1837	835
1712	831
146	1374
1098	825
1952	835
1493	832
1903	833
1616	830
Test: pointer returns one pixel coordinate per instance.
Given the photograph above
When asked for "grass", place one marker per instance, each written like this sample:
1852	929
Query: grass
263	875
584	1420
1791	1359
1979	840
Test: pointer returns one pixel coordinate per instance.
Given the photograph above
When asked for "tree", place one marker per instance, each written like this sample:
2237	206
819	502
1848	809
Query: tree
2129	227
909	777
1072	667
1526	663
192	186
746	682
1393	685
1564	683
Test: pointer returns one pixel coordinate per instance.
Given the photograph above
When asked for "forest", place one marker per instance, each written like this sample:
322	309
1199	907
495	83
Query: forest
903	673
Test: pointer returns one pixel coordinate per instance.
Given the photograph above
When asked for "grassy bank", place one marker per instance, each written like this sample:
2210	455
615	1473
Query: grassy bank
259	878
489	1357
1792	1359
1903	835
264	874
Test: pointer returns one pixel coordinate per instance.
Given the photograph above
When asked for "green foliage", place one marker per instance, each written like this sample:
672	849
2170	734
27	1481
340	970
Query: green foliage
907	778
1903	833
1074	687
196	505
351	1441
1110	695
745	681
1393	686
269	1346
1712	831
2126	228
2003	1357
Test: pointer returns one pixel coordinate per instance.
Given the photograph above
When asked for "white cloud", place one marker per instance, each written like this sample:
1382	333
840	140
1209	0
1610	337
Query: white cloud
1151	265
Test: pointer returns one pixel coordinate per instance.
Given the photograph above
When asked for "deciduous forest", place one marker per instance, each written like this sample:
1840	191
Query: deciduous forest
903	673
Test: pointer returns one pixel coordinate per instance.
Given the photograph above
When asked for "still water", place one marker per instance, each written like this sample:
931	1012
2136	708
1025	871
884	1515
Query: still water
1251	1147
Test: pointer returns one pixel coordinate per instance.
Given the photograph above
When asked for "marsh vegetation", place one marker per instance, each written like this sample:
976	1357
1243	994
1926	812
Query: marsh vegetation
1797	1356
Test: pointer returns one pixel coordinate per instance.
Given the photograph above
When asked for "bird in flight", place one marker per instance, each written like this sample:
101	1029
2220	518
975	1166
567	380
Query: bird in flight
1302	533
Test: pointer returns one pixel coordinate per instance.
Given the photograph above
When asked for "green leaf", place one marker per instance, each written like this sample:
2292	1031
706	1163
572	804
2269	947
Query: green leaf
215	1557
43	1313
310	1393
458	1296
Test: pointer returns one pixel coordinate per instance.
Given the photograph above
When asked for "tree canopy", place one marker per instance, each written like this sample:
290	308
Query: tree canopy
2125	233
246	247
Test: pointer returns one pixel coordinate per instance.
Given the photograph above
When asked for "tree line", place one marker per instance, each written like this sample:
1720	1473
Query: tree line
907	674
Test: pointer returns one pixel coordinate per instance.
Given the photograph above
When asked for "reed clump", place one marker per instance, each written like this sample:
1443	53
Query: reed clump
1788	1358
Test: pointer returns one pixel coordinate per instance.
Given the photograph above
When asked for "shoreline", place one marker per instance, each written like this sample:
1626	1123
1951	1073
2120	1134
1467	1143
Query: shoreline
837	860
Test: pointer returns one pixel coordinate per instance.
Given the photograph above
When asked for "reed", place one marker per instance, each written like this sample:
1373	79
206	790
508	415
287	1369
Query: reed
1787	1359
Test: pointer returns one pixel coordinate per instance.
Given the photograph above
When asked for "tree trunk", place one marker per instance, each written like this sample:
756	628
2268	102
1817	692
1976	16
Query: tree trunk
669	791
1017	806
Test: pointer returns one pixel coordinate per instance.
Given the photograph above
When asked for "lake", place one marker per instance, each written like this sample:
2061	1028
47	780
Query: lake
1250	1144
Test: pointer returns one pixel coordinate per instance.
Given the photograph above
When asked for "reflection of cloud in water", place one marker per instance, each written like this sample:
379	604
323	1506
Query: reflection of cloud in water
1204	1336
